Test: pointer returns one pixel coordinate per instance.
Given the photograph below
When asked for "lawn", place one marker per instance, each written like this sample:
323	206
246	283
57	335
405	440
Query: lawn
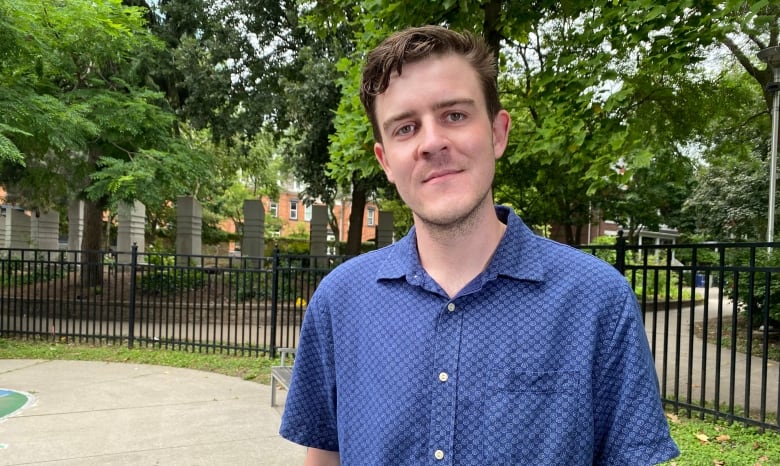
701	442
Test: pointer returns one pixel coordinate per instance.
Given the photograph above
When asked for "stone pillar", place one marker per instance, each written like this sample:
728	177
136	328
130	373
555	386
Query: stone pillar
46	230
75	228
131	220
3	212
384	229
17	229
252	239
318	231
189	222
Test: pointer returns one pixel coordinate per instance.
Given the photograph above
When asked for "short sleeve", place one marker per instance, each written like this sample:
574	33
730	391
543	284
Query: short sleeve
629	421
309	417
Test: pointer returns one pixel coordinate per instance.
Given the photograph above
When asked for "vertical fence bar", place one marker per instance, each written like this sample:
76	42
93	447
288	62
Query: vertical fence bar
749	337
131	317
620	253
274	300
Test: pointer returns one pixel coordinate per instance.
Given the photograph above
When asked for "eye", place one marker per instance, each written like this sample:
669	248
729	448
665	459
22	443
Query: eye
404	130
456	116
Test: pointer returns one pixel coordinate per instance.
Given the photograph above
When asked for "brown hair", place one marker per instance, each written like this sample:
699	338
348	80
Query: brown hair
415	44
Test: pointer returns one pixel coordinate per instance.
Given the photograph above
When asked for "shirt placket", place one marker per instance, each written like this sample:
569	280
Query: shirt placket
445	383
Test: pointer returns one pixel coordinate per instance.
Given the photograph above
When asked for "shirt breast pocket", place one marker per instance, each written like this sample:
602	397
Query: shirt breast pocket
535	417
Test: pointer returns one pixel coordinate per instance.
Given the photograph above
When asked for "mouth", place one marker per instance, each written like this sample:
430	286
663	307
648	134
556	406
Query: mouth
439	174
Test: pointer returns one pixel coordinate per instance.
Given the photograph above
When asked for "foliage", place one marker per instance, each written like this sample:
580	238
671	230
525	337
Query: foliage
287	245
588	85
162	281
729	201
55	59
14	272
652	284
606	251
164	277
757	292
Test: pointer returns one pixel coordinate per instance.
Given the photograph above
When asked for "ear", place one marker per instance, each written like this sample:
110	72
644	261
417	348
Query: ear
379	152
501	124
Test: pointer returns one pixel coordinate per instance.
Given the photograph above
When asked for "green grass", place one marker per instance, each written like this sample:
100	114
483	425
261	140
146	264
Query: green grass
248	368
702	443
716	443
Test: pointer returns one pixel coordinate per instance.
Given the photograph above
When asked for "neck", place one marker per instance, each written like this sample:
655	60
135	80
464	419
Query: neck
454	255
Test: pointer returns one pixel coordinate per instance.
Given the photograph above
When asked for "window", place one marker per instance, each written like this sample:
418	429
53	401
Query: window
371	217
307	213
274	209
294	210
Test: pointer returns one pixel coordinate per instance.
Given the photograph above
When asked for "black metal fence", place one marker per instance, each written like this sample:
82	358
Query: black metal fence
204	303
712	317
711	311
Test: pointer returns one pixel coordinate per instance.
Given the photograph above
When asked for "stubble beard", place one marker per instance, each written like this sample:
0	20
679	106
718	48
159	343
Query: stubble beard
451	227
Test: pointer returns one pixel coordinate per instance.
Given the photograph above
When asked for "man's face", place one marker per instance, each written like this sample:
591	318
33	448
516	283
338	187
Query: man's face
439	146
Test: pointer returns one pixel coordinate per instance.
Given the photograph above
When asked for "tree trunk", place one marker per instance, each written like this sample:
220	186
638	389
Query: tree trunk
333	221
92	240
491	25
355	232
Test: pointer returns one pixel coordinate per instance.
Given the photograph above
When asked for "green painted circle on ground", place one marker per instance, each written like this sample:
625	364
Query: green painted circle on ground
11	401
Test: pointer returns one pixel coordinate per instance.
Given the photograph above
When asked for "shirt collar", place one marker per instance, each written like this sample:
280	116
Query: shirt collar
517	255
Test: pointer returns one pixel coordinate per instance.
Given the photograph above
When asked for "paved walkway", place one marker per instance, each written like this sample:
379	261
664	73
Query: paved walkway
95	413
709	378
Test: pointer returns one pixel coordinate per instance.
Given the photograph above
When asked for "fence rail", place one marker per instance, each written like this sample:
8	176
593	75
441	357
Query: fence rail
711	311
205	303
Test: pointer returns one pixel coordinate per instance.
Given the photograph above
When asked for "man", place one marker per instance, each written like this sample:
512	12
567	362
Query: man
471	341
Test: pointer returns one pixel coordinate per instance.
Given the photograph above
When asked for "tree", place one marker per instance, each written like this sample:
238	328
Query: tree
729	201
86	52
751	28
243	67
571	74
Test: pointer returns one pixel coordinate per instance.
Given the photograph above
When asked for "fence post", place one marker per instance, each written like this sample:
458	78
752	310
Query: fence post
131	319
620	253
274	299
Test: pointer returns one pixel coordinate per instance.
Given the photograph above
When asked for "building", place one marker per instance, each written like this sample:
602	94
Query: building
295	216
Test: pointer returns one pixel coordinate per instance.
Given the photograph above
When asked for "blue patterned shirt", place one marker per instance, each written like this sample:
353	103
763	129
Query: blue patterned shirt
541	360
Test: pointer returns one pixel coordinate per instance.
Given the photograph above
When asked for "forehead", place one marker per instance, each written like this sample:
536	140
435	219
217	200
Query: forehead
428	81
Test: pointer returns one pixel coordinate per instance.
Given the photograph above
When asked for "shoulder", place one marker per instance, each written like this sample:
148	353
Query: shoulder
526	255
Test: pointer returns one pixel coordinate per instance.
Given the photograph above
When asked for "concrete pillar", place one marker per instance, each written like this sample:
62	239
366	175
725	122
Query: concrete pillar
18	231
75	228
3	212
252	239
46	230
384	229
318	231
189	223
131	221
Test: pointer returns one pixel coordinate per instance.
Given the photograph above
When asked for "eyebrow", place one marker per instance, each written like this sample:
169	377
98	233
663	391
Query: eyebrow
387	124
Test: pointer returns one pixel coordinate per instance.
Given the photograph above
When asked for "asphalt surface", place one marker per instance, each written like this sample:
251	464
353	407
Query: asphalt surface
95	413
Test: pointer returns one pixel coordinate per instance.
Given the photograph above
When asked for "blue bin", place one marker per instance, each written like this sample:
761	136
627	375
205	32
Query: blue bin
700	280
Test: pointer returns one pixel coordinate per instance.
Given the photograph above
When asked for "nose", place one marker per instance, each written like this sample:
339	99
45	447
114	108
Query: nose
433	139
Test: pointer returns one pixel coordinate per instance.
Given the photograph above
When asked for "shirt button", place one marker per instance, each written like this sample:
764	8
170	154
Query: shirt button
438	454
451	307
443	376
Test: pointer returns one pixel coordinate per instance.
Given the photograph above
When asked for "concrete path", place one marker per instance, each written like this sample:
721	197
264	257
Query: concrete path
96	413
709	377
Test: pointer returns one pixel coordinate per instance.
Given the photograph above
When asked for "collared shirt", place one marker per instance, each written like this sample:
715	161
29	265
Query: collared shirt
540	360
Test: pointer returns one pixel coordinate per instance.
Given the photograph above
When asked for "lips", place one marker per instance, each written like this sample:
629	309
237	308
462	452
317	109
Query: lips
439	174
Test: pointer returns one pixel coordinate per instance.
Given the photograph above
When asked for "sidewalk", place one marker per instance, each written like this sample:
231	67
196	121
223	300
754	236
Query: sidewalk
95	413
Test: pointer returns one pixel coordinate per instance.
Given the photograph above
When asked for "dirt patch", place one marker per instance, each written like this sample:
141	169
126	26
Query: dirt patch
738	332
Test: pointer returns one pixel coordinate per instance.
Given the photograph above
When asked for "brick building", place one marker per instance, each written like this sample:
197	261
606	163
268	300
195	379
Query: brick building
295	215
